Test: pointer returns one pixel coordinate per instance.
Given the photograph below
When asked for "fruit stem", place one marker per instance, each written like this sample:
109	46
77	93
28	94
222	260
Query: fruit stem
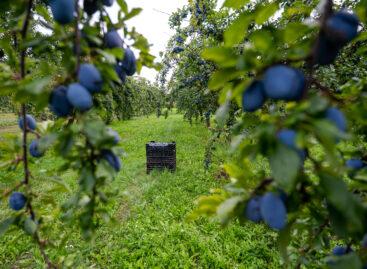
77	38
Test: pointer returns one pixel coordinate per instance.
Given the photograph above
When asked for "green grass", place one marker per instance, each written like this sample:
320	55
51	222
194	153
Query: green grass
151	211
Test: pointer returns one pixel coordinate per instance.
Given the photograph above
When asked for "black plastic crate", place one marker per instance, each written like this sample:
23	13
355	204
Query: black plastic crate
161	156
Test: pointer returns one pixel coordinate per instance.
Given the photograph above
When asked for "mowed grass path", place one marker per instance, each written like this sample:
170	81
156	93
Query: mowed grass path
151	211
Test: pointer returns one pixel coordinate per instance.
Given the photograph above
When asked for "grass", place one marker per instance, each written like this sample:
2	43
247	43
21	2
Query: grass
151	210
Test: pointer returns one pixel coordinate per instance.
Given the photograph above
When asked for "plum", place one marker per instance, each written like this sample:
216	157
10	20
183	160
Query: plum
90	6
108	3
113	40
115	135
342	27
178	50
90	78
31	122
179	39
273	211
79	97
34	149
340	250
112	159
284	83
337	118
17	201
120	72
288	138
63	10
129	62
59	103
325	51
253	209
253	97
355	164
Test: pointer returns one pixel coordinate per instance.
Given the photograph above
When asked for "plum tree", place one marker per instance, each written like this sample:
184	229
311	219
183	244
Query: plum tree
30	122
59	103
253	209
63	10
17	201
90	78
34	149
113	40
284	83
253	97
79	97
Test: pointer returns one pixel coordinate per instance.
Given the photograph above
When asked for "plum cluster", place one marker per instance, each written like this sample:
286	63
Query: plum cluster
280	82
269	208
63	10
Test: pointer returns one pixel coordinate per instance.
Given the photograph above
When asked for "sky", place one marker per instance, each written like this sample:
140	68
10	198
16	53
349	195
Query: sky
152	22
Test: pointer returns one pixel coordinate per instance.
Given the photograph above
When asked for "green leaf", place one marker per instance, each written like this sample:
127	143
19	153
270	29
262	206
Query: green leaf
285	163
223	56
122	5
236	4
237	31
219	78
222	114
345	208
30	226
350	261
226	208
134	12
263	13
5	224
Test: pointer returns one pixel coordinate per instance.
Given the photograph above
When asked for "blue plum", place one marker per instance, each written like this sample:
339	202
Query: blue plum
113	40
108	3
179	39
34	149
325	51
120	72
288	138
284	83
90	78
342	27
115	135
273	211
355	164
178	50
129	62
79	97
31	122
17	201
253	98
253	209
59	103
112	159
337	118
340	250
90	6
364	241
63	10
